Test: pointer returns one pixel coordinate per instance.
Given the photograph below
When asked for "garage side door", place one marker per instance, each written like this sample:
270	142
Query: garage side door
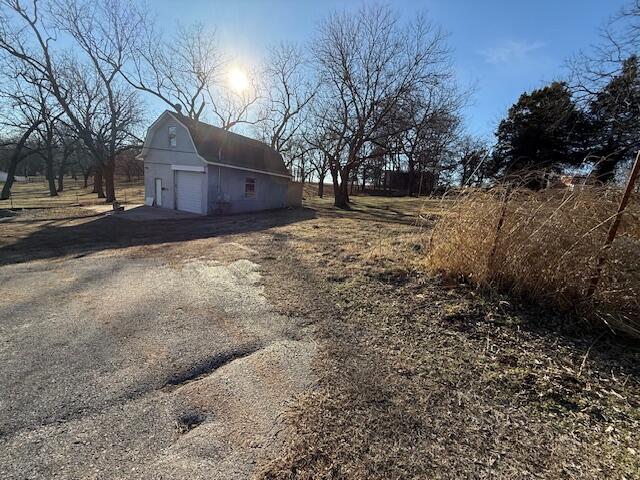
189	191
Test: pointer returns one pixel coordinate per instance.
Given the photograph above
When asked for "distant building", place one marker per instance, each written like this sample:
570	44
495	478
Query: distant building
398	180
575	181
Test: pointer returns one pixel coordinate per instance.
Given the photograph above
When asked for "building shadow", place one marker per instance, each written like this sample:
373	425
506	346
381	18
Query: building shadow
107	232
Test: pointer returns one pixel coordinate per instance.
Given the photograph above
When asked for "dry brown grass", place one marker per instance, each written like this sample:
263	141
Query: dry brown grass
420	379
35	194
545	250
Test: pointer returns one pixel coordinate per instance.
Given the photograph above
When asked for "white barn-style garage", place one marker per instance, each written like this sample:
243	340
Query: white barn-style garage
195	167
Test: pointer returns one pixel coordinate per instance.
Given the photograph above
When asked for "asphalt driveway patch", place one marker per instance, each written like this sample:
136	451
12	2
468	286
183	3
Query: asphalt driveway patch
88	345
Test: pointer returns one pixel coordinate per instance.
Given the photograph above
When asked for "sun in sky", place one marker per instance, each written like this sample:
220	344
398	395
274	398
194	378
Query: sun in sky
238	79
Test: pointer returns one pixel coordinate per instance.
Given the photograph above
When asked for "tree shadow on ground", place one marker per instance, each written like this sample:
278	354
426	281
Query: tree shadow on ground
573	351
90	233
373	214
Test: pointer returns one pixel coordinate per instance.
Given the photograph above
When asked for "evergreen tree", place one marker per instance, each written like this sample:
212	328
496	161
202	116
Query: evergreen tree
544	131
615	116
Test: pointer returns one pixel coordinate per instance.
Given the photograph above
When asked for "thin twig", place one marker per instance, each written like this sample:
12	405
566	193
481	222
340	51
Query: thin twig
584	359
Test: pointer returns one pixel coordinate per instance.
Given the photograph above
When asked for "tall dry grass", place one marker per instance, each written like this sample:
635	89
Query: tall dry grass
543	246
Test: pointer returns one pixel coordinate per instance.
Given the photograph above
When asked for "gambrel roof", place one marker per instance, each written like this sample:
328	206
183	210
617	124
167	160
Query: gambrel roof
220	147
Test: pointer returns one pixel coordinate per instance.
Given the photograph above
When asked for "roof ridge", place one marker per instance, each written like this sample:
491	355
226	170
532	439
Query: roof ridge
237	150
182	117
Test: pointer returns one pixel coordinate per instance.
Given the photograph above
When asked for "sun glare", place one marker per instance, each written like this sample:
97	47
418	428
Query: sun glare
238	80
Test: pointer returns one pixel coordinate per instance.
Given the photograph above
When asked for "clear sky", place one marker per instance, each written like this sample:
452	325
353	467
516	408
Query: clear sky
500	47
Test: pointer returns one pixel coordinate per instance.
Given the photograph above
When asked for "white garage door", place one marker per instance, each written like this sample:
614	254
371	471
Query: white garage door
189	191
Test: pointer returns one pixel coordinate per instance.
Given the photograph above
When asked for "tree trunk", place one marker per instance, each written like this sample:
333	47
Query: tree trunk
61	177
341	189
15	159
109	183
51	178
411	181
321	185
386	172
85	178
342	195
97	183
11	176
336	188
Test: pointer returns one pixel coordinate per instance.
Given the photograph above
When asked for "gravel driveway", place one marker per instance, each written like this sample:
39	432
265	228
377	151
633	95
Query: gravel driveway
140	363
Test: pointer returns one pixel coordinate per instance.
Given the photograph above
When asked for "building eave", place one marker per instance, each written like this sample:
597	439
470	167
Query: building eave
226	165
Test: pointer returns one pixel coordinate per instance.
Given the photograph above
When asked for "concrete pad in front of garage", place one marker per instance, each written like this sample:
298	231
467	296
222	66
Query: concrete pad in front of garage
142	213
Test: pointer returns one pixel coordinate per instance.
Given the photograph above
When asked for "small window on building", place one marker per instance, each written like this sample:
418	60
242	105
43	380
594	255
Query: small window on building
172	137
250	188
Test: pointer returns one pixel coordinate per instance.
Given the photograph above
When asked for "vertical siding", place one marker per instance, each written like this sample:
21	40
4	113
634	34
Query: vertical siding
182	154
164	172
223	188
160	157
227	195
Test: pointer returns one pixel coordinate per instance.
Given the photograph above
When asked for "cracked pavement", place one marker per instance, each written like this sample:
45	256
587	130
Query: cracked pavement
139	363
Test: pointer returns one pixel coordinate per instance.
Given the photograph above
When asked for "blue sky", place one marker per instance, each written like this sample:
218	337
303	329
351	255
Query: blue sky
501	48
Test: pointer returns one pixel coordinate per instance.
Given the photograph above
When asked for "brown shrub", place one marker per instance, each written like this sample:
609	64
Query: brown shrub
545	250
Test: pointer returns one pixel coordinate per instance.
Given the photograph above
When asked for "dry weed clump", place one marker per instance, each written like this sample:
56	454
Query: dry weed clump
543	246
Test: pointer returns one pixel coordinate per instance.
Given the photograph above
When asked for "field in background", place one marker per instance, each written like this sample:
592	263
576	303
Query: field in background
408	209
35	194
396	208
544	252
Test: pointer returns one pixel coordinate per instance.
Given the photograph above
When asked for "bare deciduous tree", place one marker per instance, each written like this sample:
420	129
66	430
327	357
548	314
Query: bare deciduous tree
67	143
619	40
473	153
234	105
606	80
186	72
429	118
178	71
47	134
21	116
103	31
320	163
288	93
368	63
